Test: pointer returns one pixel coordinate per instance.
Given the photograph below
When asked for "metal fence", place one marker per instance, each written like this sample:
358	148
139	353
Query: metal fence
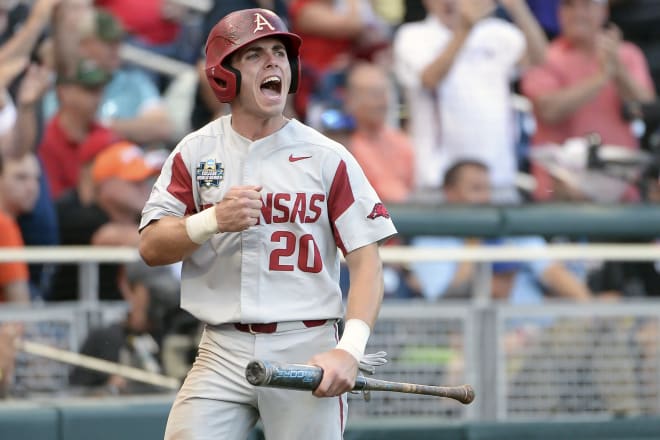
426	345
62	326
568	361
525	362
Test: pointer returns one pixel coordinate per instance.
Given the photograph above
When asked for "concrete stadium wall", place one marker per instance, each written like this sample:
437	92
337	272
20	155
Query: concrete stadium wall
131	420
571	220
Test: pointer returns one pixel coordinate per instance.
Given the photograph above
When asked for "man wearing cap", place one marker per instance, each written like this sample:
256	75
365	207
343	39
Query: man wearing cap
103	210
121	176
74	123
131	104
589	73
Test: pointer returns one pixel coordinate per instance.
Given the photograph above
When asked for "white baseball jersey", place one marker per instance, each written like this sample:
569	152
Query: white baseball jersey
316	200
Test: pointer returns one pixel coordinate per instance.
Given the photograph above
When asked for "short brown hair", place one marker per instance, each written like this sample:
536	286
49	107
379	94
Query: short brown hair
453	172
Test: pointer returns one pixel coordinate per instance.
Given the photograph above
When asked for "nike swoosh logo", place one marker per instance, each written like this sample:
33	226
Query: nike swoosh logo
292	158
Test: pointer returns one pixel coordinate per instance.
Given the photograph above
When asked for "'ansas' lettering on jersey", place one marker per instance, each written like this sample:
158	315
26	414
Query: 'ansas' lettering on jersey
291	208
288	208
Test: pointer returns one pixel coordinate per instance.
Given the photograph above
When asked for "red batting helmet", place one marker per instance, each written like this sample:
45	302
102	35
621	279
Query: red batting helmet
237	30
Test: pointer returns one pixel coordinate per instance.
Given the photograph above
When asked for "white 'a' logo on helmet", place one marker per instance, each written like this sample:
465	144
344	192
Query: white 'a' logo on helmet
261	22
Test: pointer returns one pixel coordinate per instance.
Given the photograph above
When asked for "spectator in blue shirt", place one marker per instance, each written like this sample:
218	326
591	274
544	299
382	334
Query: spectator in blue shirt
467	182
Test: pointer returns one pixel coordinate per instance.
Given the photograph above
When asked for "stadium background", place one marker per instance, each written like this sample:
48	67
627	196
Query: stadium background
547	371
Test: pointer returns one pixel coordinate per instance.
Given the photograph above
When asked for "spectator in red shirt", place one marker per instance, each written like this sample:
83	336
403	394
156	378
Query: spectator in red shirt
72	125
589	73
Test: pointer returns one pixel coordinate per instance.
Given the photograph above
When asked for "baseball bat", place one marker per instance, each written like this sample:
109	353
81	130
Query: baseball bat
96	364
308	377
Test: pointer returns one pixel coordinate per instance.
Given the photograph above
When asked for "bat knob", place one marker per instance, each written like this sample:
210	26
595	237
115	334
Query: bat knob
256	373
469	395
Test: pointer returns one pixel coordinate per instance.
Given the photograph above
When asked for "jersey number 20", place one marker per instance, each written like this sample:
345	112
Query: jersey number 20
309	257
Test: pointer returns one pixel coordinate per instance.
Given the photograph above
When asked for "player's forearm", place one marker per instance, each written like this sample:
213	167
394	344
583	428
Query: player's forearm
154	126
23	41
366	289
324	20
166	241
66	37
438	69
25	130
18	292
464	273
630	89
537	42
565	284
116	234
556	106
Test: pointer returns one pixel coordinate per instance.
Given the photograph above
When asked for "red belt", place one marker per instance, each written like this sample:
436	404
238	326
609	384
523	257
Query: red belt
271	327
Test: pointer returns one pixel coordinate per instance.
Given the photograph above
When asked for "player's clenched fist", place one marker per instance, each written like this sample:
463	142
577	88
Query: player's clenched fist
239	209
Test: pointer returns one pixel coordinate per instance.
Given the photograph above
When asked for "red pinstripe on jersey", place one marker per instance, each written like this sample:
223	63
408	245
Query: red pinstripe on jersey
181	184
340	199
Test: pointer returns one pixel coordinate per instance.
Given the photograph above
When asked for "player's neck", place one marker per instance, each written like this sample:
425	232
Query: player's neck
255	128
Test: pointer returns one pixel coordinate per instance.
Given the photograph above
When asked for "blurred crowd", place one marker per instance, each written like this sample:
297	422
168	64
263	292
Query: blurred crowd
440	101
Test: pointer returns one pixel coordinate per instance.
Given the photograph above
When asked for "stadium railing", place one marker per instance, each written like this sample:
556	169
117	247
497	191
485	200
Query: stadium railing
526	363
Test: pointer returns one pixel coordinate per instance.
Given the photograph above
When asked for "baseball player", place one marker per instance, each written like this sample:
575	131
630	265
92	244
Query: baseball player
258	207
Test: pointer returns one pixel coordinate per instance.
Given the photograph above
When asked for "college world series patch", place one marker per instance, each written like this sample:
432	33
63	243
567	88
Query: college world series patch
209	173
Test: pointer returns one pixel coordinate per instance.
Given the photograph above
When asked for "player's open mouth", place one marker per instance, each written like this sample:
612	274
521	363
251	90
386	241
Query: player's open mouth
272	86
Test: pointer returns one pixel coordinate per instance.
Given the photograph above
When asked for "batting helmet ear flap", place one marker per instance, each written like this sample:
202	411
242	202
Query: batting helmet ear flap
294	61
224	80
236	77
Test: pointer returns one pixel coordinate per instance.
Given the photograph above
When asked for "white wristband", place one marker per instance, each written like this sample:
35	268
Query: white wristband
355	337
202	226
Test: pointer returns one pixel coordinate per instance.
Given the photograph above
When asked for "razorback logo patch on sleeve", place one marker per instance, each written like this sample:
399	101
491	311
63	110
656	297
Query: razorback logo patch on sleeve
379	210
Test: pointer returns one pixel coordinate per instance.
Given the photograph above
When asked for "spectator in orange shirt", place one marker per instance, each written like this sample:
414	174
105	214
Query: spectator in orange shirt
589	73
19	189
385	153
